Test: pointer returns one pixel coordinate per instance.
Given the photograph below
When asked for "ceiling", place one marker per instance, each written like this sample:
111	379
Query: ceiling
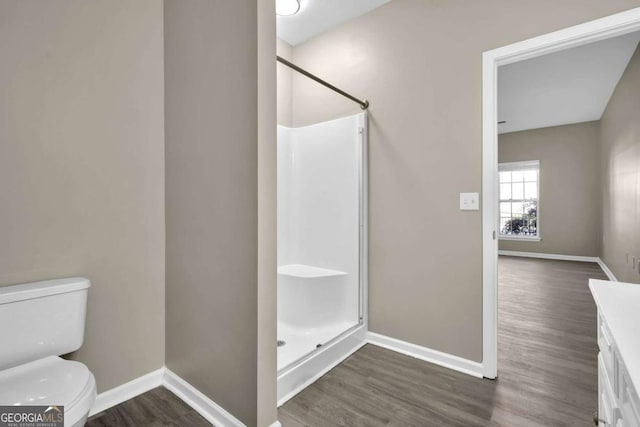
570	86
317	16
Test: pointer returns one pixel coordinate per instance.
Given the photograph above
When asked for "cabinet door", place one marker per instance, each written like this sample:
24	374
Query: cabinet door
628	401
605	344
606	400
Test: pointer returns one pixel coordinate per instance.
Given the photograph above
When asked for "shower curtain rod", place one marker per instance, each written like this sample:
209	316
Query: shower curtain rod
363	104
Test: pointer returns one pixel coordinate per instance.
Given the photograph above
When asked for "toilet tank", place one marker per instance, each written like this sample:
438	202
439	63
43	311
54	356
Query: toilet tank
41	319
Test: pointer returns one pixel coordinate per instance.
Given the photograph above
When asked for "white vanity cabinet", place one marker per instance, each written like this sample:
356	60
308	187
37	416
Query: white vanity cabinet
619	357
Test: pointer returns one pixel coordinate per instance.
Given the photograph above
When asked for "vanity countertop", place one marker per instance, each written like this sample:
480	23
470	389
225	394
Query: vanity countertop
619	304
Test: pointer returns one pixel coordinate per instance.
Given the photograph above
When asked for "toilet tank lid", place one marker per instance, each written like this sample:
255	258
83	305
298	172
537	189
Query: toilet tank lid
26	291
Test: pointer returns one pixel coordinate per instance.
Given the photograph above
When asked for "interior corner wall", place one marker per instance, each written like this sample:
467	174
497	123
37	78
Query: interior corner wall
82	168
569	210
620	135
211	126
419	63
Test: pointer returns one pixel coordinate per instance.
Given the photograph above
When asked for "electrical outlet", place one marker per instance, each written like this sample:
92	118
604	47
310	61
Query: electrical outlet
469	201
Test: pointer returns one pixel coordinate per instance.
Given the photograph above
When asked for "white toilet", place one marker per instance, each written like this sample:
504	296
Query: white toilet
38	322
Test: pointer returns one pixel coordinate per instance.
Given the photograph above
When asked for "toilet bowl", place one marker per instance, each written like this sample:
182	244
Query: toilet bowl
38	322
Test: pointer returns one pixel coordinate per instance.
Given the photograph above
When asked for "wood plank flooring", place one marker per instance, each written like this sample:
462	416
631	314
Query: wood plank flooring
547	366
155	408
547	370
547	342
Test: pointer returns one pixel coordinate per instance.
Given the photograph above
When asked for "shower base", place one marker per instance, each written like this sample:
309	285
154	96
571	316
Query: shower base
300	342
301	362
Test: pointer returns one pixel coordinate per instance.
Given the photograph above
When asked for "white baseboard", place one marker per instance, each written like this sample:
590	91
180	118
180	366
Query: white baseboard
550	256
126	391
219	417
206	407
446	360
606	270
593	259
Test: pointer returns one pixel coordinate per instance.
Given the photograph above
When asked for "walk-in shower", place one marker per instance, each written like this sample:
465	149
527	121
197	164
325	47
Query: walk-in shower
322	241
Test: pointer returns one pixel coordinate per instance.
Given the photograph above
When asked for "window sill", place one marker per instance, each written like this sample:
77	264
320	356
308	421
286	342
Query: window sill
521	238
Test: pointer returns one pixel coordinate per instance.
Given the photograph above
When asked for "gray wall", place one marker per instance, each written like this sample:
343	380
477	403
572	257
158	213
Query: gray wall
419	63
570	186
267	200
620	127
82	168
212	209
284	83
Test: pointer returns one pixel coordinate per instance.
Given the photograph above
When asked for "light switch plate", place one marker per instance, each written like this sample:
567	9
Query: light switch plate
469	201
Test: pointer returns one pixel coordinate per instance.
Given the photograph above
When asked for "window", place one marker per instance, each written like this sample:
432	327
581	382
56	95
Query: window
519	200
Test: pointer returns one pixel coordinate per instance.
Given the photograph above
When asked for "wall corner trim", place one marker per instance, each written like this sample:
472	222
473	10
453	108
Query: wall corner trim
606	270
206	407
163	377
126	391
446	360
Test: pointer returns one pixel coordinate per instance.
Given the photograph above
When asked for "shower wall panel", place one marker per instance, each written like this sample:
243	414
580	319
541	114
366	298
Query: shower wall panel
319	172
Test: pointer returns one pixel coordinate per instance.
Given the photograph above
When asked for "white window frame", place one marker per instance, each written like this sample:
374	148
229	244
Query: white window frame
517	166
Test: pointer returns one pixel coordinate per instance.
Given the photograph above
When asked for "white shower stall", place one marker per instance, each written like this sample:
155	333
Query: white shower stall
322	241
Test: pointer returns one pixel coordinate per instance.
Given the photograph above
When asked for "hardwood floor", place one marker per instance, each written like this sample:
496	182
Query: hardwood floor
158	407
378	387
547	370
547	341
547	366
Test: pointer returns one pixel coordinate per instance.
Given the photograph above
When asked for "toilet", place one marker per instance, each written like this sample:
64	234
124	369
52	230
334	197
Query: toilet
38	322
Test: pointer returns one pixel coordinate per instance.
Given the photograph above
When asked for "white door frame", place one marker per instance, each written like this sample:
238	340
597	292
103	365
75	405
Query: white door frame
610	26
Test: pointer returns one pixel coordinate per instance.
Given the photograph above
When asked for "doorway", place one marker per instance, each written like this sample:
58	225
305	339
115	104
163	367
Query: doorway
591	32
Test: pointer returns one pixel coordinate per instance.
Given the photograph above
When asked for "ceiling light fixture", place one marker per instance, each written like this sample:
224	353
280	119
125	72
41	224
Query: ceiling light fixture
287	7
